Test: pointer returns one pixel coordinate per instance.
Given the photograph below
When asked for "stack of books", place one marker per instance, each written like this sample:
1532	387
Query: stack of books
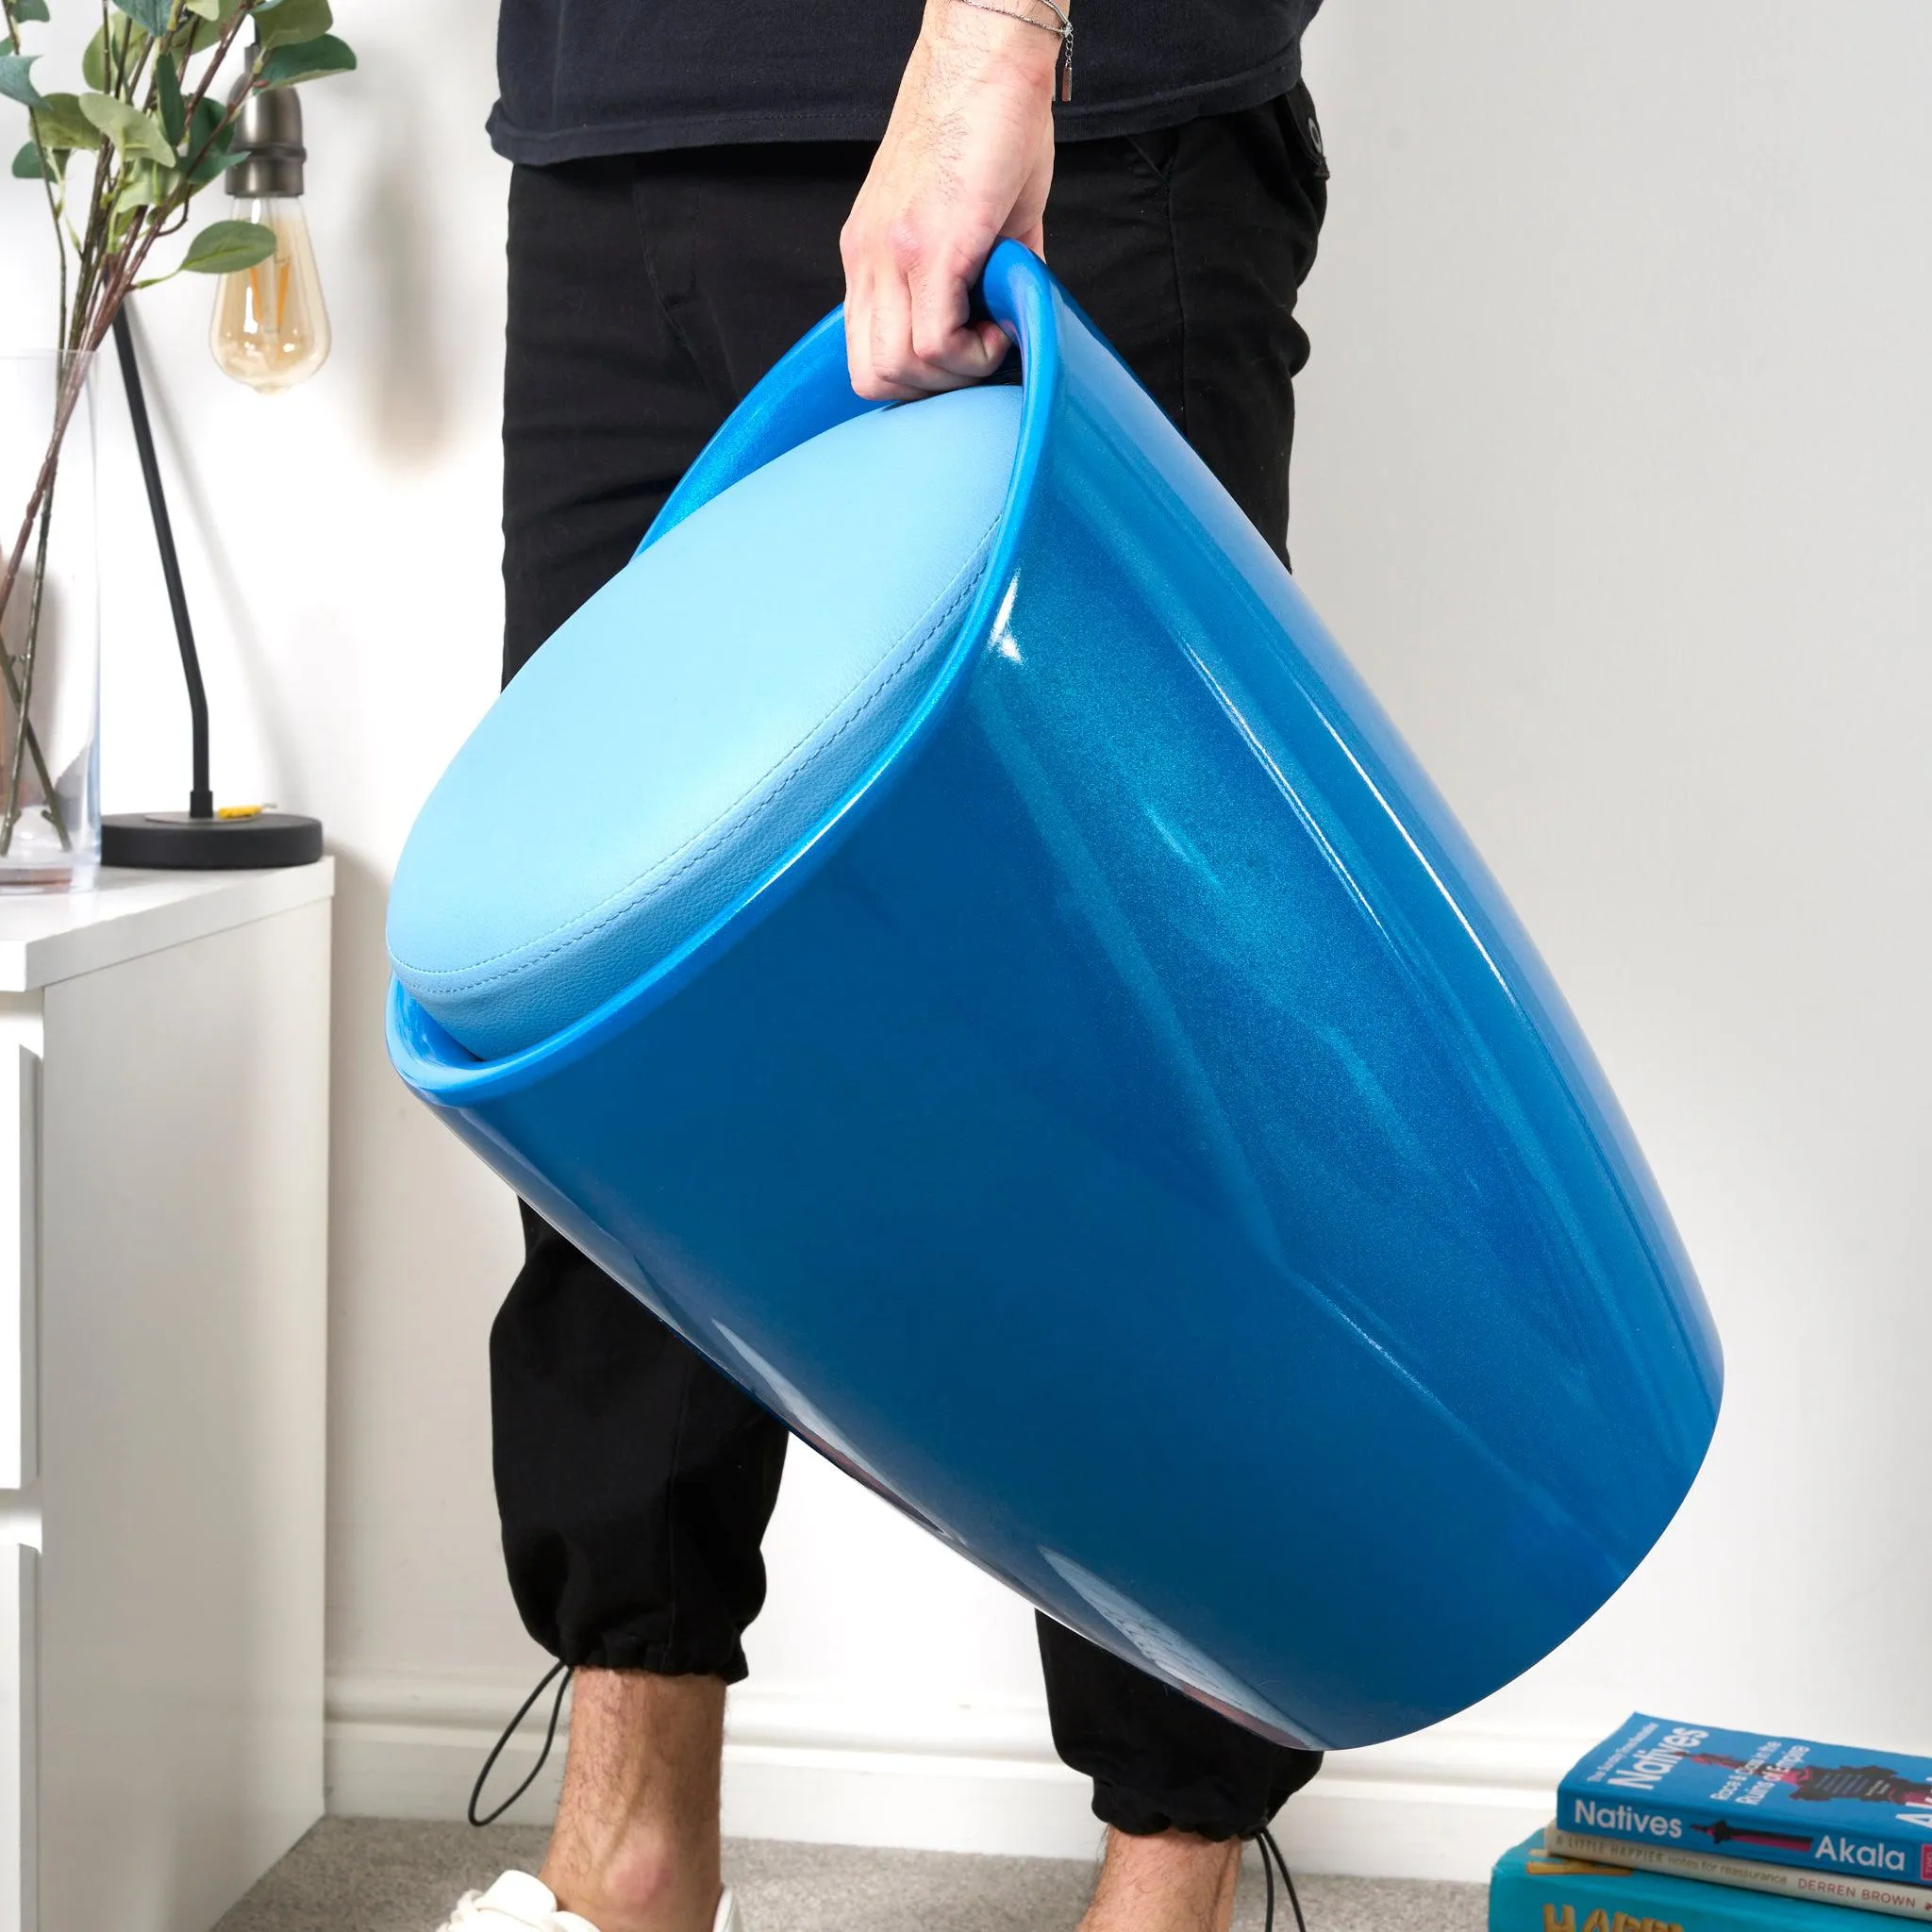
1679	1827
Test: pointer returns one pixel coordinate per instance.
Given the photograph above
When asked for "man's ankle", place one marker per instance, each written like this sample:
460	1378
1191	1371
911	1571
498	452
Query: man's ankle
1169	1881
672	1909
632	1887
635	1848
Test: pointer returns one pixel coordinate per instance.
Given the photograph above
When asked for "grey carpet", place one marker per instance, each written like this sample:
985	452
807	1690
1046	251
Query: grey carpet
355	1875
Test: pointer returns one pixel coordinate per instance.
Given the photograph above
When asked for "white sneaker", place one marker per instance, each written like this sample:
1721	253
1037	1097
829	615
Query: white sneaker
518	1902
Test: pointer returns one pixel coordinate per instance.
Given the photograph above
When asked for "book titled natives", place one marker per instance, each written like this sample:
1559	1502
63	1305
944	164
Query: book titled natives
1780	1801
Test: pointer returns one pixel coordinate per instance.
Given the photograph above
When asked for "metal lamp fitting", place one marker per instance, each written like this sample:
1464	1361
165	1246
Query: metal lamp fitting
268	136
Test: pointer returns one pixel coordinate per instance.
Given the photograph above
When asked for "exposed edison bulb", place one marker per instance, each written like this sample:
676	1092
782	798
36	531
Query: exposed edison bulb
269	329
271	326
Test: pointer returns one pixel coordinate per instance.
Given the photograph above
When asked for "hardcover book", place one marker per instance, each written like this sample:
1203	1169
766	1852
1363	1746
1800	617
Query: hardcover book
1780	1801
1532	1892
1794	1881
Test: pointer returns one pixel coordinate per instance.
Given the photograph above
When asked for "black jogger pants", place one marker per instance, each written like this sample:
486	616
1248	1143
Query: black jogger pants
647	293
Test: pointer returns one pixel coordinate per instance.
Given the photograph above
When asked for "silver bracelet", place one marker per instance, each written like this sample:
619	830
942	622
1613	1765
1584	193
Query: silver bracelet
1063	67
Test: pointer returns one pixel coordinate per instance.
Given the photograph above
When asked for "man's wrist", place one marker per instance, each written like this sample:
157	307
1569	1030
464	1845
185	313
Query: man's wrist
1022	36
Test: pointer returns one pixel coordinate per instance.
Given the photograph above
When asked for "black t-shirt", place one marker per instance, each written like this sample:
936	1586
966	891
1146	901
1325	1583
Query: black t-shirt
581	77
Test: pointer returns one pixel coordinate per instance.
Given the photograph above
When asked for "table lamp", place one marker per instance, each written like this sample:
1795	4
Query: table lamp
271	332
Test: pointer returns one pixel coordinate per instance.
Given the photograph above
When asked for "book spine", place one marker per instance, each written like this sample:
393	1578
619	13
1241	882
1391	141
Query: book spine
1734	1833
1533	1899
1866	1894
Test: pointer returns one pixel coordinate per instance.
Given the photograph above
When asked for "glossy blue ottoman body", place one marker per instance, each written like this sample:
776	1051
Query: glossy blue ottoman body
1134	1134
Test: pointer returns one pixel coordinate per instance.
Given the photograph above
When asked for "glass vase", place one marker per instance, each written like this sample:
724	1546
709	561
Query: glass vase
50	810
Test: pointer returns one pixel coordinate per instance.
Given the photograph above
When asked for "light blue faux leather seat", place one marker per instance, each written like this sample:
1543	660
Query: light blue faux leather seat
696	719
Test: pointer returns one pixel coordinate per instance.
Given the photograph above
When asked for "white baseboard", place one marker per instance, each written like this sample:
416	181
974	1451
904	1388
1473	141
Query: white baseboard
964	1779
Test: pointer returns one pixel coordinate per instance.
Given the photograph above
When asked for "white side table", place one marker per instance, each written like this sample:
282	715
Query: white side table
164	1264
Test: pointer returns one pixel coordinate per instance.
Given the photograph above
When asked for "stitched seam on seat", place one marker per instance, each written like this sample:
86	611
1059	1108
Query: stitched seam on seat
664	872
660	875
660	879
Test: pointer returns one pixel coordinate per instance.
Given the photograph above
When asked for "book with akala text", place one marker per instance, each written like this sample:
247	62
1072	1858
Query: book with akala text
1787	1881
1530	1891
1742	1795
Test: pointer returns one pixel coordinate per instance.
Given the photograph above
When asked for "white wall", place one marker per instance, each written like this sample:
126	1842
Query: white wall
1612	477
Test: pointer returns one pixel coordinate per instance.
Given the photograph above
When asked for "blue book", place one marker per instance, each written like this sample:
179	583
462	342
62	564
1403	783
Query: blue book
1532	1892
1776	1800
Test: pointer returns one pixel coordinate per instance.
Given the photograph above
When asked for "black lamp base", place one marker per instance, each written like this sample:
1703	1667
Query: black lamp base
174	842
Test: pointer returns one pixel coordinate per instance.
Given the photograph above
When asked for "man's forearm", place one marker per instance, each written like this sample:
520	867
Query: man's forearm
966	160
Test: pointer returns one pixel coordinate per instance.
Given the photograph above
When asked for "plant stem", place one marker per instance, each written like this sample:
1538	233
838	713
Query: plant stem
72	380
33	747
21	692
23	711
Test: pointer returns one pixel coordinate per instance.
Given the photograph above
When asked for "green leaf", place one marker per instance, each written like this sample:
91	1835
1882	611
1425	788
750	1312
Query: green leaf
168	94
30	9
288	20
153	14
313	59
136	135
61	125
211	20
217	161
145	185
224	248
209	146
26	164
123	53
207	116
217	164
16	82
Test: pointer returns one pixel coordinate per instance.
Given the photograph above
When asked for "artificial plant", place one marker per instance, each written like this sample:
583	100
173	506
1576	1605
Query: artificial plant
118	163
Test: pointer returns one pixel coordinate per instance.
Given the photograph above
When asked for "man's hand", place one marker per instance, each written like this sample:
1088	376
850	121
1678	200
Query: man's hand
967	159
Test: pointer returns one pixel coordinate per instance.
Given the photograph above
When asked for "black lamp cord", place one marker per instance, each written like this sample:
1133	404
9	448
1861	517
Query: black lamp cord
201	801
555	1671
1271	1858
